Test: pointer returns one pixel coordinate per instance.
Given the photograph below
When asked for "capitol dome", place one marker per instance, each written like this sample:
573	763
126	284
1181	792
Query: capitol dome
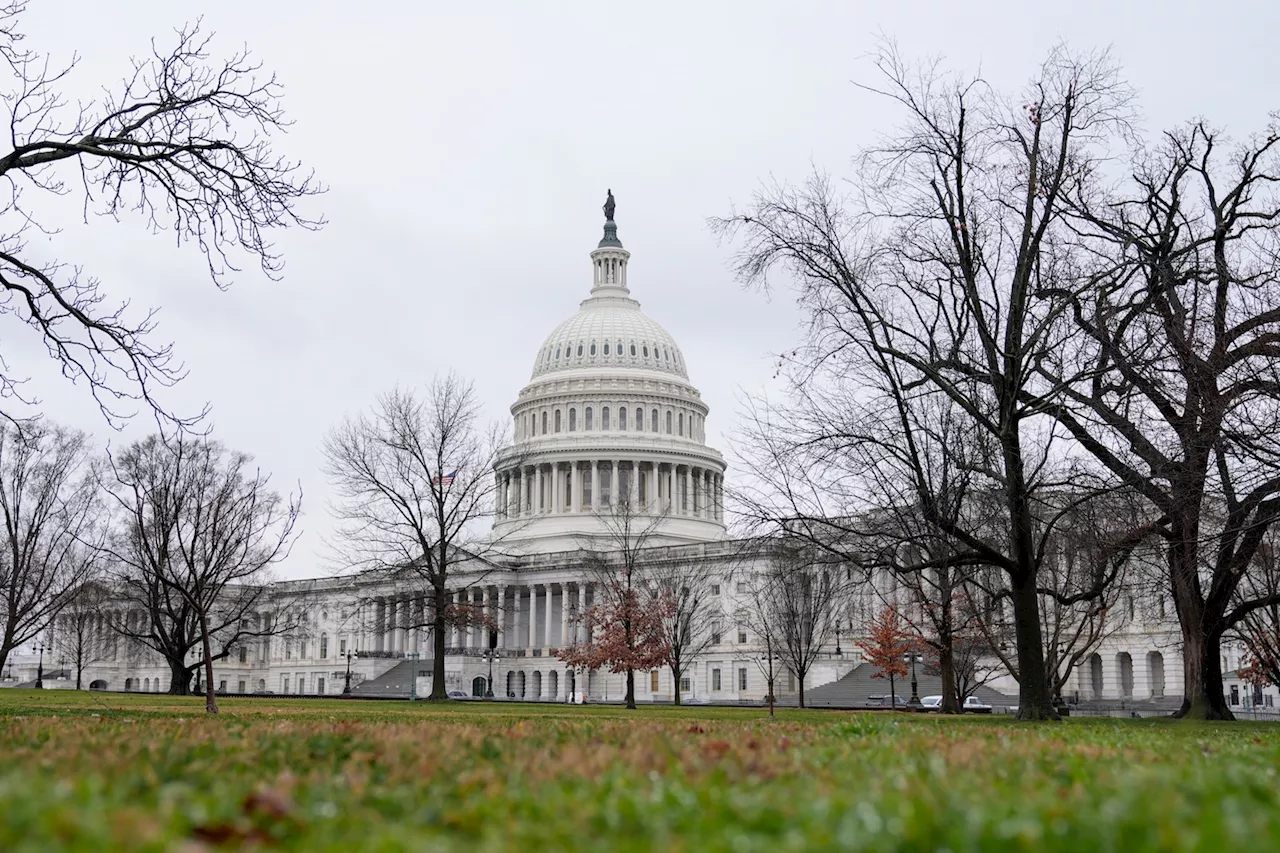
609	432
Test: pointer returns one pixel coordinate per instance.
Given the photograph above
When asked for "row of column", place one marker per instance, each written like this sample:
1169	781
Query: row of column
597	485
528	616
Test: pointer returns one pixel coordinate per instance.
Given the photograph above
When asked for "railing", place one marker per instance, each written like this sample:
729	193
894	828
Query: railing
383	655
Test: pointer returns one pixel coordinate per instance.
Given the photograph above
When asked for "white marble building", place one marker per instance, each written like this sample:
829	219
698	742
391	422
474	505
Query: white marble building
609	410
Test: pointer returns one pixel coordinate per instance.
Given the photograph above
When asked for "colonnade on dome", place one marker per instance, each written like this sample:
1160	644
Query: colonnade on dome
608	486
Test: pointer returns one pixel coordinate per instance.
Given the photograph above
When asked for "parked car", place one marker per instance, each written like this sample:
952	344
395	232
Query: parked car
931	703
458	694
883	701
974	705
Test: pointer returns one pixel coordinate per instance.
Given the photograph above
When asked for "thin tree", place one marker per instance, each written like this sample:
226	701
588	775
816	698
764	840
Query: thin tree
886	646
629	623
79	633
1181	394
794	602
936	283
693	613
1259	628
199	530
52	520
414	479
184	141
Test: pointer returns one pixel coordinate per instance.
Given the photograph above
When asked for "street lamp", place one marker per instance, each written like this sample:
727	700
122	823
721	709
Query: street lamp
839	653
346	686
40	667
490	655
915	687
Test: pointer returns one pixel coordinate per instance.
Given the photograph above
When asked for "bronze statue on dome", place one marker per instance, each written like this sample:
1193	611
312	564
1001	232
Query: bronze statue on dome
609	207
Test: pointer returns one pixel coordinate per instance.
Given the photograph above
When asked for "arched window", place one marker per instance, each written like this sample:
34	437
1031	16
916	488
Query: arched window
593	347
681	422
619	349
633	350
573	419
654	422
606	347
557	420
544	423
666	353
622	418
604	418
668	423
324	646
645	350
588	425
557	353
639	419
579	350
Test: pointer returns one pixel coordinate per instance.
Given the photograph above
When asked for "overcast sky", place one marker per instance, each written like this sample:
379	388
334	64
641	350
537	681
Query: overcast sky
468	153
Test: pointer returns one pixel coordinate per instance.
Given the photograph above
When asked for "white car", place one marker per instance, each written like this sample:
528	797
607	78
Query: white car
931	703
458	694
974	705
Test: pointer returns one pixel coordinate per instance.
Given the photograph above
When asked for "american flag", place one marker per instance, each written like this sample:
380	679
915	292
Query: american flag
446	479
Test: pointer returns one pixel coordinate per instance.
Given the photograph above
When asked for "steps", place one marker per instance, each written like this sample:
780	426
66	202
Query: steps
392	684
857	687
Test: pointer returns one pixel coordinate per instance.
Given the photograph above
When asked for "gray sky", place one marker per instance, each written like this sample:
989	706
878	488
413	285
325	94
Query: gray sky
468	154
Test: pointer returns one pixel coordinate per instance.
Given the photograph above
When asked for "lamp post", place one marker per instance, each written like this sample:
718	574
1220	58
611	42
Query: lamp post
413	677
346	686
766	666
40	667
490	655
839	653
915	687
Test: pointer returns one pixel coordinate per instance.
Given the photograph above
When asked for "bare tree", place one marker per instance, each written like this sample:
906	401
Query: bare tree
52	521
793	605
941	281
1181	394
692	615
184	142
199	530
79	633
415	481
632	620
1259	629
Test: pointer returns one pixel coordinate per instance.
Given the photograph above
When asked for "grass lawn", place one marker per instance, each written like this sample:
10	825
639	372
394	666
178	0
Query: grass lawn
109	772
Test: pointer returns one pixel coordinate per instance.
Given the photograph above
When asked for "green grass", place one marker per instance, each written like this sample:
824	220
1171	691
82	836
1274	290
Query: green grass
109	772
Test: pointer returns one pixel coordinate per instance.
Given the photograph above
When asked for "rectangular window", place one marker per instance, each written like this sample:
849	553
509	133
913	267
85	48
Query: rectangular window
222	687
742	587
653	681
791	681
284	684
686	684
244	656
742	678
302	684
715	680
240	687
742	635
288	650
320	686
342	648
1235	694
324	648
715	636
715	589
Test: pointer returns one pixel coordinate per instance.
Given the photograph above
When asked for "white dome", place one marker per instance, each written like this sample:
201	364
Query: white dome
609	331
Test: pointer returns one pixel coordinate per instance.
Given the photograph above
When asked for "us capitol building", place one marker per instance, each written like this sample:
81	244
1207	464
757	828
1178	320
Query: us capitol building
609	411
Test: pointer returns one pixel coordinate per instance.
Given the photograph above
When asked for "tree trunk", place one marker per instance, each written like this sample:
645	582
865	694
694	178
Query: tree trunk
438	638
1202	697
79	675
771	699
800	678
675	679
631	688
893	695
210	698
1035	692
947	671
179	678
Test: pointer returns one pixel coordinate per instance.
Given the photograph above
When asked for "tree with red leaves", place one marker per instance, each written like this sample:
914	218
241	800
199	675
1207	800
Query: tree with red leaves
626	632
887	644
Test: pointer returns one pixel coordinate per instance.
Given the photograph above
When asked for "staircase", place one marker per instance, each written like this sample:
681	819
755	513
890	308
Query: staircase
857	687
392	684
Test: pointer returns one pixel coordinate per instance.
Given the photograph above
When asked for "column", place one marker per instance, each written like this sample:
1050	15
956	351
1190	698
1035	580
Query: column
495	613
575	488
613	488
532	635
564	615
539	502
379	624
595	485
557	488
548	640
633	488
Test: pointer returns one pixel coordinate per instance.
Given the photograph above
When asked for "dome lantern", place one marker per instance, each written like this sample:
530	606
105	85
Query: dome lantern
609	258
